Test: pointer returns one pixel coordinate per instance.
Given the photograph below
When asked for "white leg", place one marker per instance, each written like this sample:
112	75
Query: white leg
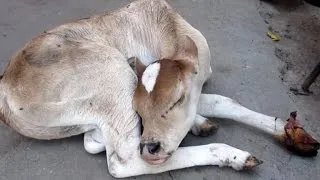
197	123
211	154
211	105
93	142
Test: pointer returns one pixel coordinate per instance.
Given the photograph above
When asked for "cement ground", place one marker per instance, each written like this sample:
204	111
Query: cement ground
248	66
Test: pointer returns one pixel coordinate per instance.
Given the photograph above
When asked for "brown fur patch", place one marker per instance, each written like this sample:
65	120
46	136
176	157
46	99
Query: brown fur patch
170	75
172	72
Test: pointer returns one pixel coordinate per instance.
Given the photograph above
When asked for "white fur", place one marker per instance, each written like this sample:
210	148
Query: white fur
218	154
93	142
150	75
212	105
198	121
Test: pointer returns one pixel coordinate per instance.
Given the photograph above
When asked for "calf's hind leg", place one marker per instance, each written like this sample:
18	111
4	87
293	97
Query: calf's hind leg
211	105
203	126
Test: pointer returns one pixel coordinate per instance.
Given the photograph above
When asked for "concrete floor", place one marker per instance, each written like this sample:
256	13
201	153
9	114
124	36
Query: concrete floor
245	68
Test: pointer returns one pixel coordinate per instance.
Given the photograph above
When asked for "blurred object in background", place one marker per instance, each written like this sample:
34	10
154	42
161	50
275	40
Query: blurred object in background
314	2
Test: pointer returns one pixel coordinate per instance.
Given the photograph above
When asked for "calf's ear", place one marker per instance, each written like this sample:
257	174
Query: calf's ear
187	55
187	48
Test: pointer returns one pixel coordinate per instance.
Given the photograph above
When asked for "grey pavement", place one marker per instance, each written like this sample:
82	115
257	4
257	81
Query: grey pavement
245	68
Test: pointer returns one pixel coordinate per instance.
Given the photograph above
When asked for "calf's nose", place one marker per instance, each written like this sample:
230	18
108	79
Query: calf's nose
152	147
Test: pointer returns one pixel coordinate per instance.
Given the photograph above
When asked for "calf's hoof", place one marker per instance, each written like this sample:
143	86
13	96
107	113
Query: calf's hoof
251	162
208	128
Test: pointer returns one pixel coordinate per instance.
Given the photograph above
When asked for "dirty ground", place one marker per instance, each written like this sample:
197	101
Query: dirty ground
248	66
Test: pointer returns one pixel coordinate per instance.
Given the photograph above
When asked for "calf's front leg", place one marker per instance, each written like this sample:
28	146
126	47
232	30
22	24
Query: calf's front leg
212	154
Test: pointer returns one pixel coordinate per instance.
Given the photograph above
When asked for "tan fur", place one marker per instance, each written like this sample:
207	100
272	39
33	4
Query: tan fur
165	108
156	106
63	71
78	78
159	103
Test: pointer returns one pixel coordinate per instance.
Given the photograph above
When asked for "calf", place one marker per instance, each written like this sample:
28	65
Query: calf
102	74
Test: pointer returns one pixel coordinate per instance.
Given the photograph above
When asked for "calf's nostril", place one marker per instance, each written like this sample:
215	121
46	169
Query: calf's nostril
153	147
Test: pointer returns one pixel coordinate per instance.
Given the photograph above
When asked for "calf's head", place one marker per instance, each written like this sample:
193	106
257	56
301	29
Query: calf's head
166	100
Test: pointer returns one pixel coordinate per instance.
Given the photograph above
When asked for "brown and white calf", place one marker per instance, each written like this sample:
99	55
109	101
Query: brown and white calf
99	75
